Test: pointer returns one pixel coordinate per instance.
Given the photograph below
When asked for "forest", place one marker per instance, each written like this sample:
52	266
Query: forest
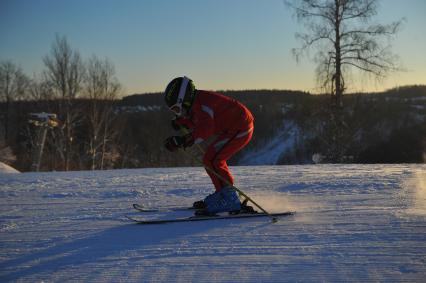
384	127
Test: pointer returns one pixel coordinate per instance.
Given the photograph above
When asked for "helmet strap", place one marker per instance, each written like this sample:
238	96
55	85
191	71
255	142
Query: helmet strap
182	92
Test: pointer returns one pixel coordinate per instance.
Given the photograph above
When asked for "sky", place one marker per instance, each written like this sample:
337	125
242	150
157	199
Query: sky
220	44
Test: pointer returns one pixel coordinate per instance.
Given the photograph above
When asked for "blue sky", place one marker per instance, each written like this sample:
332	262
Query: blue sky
220	44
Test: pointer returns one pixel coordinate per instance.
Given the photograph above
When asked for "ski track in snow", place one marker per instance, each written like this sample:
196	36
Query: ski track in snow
353	223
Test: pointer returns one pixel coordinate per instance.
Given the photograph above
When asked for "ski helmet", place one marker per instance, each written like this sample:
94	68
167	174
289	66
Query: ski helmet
179	94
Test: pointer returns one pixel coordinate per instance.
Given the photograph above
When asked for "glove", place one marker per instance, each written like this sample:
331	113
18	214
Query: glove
178	123
173	143
175	125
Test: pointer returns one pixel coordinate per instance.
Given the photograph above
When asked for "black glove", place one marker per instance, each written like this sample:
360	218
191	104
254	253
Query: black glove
175	125
173	143
179	122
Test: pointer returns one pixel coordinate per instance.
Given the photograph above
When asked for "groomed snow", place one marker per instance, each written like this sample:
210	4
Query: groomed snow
271	152
353	223
6	169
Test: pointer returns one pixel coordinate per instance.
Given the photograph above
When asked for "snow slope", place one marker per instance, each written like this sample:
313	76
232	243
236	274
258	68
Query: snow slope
271	152
354	223
6	169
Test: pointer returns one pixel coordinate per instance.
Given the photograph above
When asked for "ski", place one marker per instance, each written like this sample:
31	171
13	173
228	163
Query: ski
140	208
139	220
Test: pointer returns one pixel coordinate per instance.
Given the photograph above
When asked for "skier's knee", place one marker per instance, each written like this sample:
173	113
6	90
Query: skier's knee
219	163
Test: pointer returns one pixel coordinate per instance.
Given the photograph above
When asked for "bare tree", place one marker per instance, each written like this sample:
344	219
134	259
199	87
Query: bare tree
65	71
101	88
41	89
14	85
344	36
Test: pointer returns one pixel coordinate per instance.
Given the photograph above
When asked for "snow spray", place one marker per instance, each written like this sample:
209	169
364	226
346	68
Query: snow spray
414	192
306	207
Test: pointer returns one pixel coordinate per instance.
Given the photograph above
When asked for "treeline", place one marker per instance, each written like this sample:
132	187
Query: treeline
381	128
385	127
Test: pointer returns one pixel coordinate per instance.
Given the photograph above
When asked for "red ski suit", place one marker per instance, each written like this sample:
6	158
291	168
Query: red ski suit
230	121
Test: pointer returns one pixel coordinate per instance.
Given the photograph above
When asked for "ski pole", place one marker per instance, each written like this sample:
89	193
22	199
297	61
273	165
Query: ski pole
211	170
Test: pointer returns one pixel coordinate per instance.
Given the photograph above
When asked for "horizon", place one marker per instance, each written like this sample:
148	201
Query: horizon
221	45
295	90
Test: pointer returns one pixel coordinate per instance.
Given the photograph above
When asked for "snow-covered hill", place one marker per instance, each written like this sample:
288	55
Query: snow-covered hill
354	223
6	169
271	152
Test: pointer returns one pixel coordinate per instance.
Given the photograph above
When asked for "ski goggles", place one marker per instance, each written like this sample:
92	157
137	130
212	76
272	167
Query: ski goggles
177	107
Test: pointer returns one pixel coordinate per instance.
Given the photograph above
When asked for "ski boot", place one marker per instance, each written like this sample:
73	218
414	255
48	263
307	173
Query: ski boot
199	205
226	200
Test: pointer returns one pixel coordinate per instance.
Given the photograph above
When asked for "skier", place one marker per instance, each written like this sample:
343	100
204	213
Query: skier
210	115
